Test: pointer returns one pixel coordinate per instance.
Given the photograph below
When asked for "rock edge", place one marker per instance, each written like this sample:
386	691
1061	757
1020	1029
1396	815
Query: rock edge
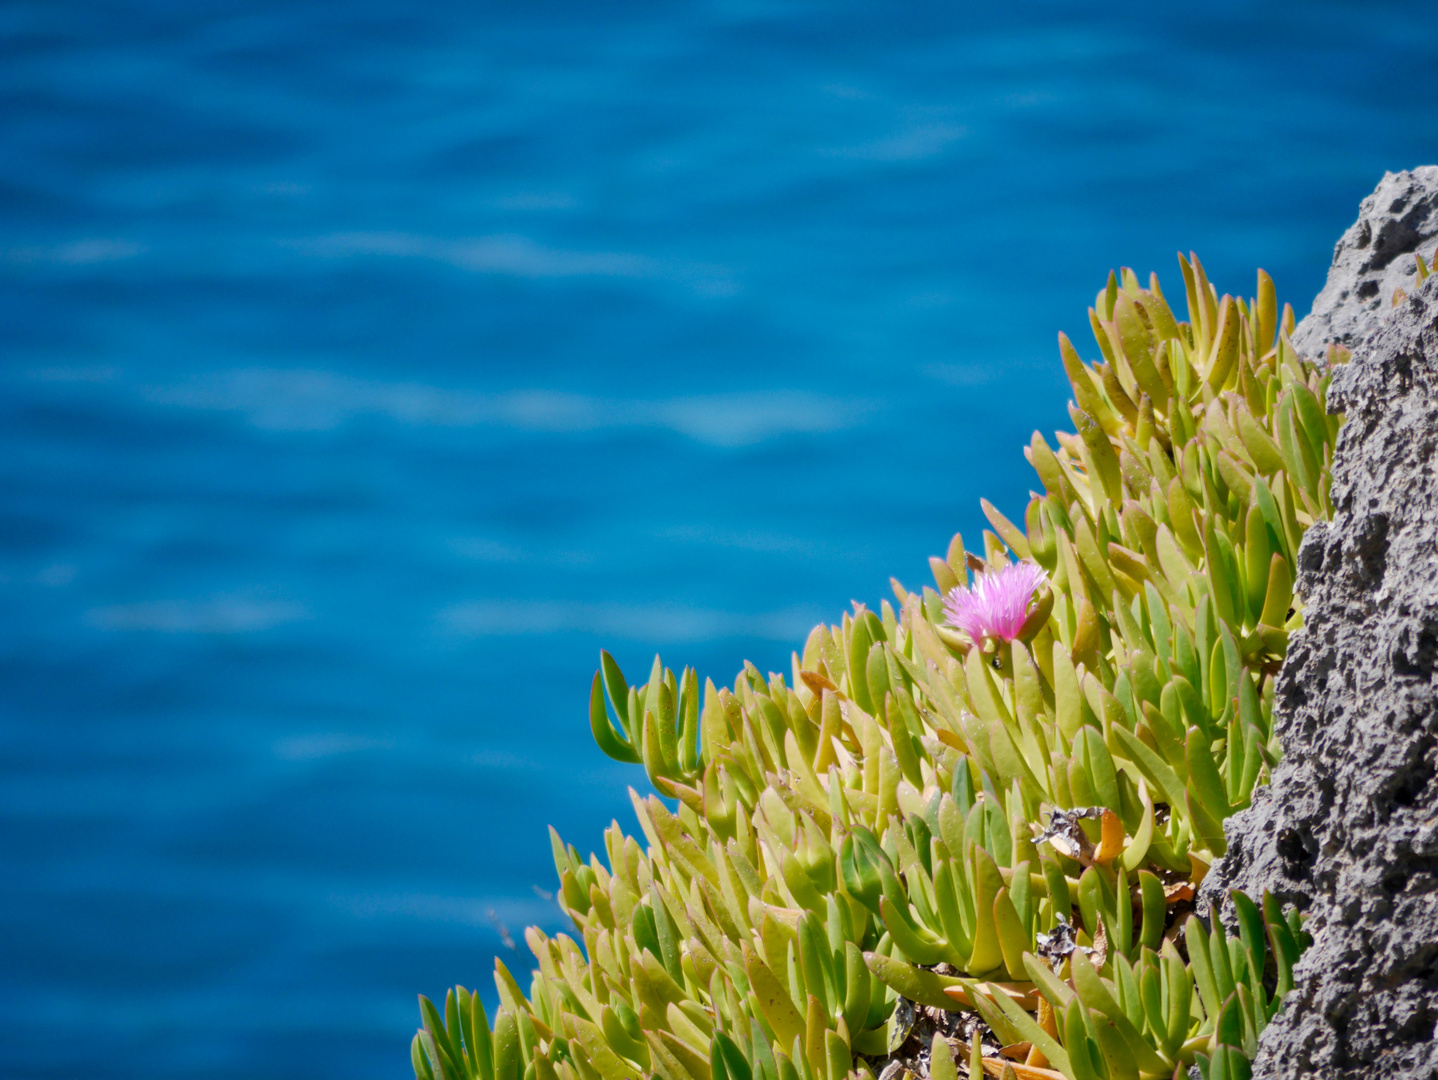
1348	829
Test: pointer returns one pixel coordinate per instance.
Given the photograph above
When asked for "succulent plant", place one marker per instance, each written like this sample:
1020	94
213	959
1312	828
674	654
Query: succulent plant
992	799
1422	269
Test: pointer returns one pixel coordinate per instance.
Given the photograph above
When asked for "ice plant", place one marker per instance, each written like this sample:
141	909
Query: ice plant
849	872
997	604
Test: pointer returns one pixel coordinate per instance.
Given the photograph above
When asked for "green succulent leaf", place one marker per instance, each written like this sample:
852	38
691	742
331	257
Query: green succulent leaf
914	983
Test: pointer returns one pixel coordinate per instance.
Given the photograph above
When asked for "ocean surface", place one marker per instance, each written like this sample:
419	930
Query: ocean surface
368	366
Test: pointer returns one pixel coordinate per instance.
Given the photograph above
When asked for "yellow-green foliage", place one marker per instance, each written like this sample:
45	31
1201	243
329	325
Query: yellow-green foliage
909	811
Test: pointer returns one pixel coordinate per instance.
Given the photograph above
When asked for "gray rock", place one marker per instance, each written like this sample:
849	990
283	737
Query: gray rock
1348	829
1373	258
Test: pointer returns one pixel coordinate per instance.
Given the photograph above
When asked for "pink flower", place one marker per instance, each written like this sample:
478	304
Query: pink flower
997	604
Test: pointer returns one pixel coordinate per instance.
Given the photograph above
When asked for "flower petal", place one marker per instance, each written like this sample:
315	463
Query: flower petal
996	605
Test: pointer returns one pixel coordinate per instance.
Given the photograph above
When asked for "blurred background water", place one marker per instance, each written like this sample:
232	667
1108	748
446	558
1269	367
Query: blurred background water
369	365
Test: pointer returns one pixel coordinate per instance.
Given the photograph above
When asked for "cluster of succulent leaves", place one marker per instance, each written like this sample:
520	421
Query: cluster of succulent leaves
1009	828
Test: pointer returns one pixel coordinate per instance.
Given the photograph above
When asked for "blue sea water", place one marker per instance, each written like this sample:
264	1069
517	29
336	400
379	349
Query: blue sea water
369	366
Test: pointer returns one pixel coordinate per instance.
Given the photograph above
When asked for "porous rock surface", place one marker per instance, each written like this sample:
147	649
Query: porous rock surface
1372	259
1348	829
